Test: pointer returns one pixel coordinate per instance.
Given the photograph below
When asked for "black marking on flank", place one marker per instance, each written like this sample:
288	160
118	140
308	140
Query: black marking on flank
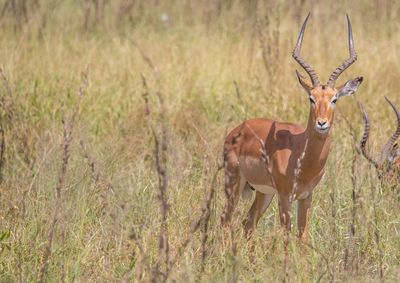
250	186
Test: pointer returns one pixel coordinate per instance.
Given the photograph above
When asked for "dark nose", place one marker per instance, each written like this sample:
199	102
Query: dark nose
321	123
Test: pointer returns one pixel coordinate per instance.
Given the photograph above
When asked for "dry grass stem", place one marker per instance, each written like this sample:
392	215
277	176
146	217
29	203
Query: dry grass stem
68	127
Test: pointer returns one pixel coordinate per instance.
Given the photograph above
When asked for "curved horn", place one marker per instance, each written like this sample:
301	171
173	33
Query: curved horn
348	62
389	145
365	136
296	55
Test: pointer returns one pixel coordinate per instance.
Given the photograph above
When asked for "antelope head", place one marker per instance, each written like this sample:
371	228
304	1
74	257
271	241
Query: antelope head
390	155
323	97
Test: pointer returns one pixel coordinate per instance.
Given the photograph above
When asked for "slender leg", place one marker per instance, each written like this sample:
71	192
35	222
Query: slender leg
303	212
260	205
285	207
234	185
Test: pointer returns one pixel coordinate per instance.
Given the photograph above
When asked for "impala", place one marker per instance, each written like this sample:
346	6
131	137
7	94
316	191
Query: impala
282	158
388	165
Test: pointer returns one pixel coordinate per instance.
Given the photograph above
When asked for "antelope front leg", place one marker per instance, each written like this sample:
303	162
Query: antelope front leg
285	207
303	211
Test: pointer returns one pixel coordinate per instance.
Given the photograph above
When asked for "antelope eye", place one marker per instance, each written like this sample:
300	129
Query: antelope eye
312	100
334	101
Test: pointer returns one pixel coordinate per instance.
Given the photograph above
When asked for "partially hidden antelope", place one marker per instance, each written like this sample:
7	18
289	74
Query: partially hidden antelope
388	164
283	158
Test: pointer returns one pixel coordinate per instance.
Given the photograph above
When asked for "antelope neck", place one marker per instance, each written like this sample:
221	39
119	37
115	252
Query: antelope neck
317	149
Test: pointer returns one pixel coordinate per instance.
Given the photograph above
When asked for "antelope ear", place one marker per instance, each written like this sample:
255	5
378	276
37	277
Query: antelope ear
349	87
306	84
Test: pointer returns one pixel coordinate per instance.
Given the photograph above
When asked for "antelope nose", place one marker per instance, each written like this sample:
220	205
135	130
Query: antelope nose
321	123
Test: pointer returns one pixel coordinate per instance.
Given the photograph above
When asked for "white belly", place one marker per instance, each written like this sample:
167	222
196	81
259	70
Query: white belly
268	190
302	195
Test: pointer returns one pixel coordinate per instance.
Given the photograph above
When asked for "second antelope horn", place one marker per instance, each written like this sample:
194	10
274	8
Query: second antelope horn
365	136
389	145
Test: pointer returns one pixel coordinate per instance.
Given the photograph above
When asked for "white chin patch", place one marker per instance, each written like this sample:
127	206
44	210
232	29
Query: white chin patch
322	130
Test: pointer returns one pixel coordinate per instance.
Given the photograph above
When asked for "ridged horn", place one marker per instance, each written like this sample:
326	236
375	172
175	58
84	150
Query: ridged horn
353	57
296	55
389	145
365	136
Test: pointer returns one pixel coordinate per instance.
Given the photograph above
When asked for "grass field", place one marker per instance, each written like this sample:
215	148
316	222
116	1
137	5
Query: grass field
78	181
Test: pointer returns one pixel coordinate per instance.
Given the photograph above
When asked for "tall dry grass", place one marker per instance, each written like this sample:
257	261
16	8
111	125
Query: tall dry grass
214	63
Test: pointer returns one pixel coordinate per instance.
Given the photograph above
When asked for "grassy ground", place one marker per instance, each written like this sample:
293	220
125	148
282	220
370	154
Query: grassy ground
78	200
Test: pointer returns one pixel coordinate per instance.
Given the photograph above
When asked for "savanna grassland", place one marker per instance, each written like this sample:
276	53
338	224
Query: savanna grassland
113	116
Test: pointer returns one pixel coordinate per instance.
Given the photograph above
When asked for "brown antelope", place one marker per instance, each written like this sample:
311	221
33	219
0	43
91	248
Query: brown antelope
388	165
282	158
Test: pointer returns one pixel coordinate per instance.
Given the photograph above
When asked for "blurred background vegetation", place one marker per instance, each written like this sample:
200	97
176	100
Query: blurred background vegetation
78	182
